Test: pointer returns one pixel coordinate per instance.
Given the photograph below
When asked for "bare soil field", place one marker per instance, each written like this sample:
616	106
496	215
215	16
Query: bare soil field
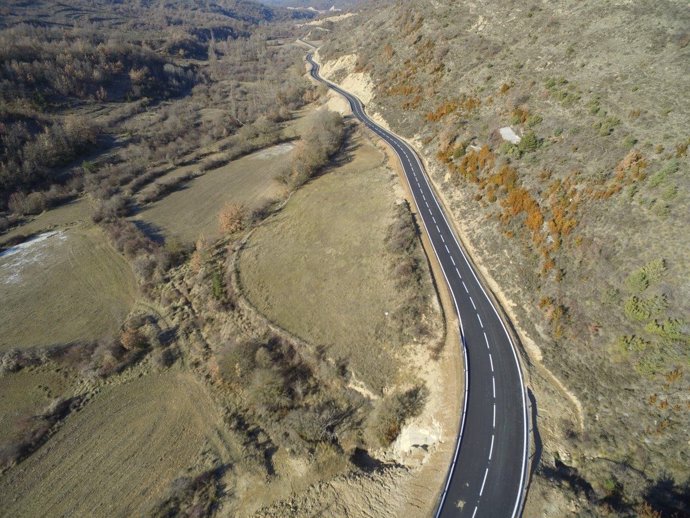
193	210
63	286
118	455
320	268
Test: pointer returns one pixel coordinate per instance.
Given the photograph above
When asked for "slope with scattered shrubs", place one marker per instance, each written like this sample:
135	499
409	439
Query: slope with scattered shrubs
592	194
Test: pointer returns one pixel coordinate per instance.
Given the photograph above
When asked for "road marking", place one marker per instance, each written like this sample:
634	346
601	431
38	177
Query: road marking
493	384
480	321
465	286
442	240
491	450
453	261
475	511
491	360
438	229
447	248
487	341
481	490
427	205
494	424
434	219
475	307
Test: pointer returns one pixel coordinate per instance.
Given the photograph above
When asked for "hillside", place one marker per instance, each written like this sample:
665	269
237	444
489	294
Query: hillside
557	137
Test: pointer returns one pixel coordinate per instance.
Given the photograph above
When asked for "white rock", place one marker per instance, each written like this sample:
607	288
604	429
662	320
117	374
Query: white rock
508	134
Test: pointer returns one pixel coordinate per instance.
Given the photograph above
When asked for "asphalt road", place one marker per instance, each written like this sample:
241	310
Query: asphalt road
489	472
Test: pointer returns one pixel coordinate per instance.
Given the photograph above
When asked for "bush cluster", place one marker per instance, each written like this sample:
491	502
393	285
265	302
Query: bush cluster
318	146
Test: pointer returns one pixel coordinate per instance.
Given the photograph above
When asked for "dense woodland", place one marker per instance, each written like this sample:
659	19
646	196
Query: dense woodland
169	59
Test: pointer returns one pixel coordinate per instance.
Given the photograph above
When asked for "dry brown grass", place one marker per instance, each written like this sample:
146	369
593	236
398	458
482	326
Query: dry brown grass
73	286
189	212
27	393
117	455
319	268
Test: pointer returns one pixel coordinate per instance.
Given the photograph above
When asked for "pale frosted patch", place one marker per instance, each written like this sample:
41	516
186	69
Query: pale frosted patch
274	151
16	259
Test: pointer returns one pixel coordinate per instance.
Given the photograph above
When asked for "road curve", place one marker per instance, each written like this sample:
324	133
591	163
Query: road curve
488	474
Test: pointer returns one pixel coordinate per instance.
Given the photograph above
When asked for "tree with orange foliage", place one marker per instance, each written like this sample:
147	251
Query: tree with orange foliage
231	218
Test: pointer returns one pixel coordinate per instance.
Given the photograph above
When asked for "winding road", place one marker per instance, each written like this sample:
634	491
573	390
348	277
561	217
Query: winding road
488	474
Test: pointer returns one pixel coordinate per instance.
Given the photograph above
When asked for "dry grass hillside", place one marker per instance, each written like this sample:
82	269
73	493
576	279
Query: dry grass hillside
580	223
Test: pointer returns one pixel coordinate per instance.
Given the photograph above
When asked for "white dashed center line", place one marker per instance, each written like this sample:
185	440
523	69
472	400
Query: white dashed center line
492	362
475	307
491	450
481	490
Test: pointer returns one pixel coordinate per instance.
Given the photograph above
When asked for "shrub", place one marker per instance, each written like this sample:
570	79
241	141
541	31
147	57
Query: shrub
389	418
636	309
319	144
632	343
529	142
131	338
607	125
237	361
670	330
640	279
330	460
191	496
217	285
232	218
